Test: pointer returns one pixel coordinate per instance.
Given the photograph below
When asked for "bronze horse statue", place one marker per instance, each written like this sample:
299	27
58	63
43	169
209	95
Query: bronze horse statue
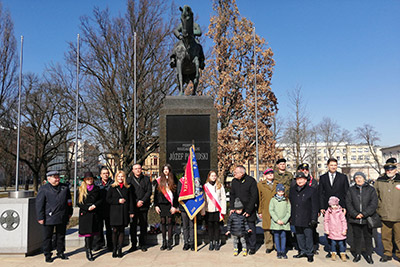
187	56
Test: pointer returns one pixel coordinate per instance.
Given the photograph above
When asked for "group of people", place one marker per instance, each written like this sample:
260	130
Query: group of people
288	206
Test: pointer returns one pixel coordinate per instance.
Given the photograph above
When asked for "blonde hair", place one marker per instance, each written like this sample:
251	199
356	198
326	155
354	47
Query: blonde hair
217	182
116	182
82	191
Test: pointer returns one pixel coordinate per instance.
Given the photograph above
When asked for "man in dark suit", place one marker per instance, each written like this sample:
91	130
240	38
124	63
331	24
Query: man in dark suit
332	183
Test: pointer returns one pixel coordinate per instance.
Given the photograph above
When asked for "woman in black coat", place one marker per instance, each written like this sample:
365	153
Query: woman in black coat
361	203
166	204
88	201
121	200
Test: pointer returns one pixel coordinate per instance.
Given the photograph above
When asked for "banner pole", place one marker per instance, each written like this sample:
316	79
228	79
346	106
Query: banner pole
195	233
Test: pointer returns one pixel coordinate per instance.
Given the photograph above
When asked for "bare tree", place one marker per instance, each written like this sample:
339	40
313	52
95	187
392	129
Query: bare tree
45	125
332	135
8	62
367	134
298	131
277	128
107	62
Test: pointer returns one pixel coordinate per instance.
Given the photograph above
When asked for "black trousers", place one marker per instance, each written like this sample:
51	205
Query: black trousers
48	231
99	239
252	237
360	231
188	229
140	219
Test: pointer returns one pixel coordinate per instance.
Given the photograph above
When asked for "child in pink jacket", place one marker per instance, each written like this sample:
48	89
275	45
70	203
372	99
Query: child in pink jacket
336	227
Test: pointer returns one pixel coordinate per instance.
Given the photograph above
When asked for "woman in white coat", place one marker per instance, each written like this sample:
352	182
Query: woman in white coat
215	208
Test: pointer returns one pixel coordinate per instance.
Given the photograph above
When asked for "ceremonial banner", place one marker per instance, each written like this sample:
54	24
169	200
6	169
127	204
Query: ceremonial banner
191	196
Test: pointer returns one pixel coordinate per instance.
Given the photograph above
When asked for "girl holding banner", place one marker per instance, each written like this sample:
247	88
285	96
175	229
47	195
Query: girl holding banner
215	207
166	203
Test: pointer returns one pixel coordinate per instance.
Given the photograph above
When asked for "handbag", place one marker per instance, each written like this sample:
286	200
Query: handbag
374	221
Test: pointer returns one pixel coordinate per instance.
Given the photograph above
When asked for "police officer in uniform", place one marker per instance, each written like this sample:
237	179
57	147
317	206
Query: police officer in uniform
388	190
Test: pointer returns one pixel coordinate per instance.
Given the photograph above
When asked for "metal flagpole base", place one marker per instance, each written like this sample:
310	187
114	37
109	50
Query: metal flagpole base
20	194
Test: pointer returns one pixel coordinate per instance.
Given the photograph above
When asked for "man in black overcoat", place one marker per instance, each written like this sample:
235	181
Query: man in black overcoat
304	215
142	190
104	184
244	187
53	210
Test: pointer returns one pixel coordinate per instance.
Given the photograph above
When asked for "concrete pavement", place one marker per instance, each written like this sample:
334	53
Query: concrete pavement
178	257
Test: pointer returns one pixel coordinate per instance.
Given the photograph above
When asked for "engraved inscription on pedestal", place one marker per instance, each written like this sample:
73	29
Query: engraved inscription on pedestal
181	131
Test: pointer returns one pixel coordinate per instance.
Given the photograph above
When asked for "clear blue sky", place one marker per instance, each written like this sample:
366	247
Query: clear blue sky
345	54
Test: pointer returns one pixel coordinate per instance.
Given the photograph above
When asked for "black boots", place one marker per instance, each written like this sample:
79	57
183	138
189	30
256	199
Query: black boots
164	245
211	246
169	247
217	245
88	247
357	258
48	258
119	252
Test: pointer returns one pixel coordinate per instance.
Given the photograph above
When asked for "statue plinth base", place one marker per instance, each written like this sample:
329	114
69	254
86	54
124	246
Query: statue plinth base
187	119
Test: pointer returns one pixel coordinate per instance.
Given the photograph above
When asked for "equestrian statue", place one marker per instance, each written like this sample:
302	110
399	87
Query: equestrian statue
187	56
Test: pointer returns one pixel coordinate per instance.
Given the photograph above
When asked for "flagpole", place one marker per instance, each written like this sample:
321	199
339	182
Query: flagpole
134	101
195	233
255	101
76	119
19	114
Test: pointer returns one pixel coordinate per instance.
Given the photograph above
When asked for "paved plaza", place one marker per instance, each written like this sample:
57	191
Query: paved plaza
178	257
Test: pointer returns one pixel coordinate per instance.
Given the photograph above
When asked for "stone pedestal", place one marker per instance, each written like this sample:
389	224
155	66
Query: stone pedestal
185	120
20	233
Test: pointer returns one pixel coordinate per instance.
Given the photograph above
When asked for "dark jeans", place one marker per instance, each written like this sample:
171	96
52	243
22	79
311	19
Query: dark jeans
280	240
188	229
304	237
360	231
141	219
342	245
252	237
99	239
48	231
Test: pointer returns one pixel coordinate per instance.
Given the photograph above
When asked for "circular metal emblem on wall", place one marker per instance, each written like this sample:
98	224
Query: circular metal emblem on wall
9	220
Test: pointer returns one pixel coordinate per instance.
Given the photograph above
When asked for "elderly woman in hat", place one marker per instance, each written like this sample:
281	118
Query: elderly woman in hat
361	203
88	201
266	191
